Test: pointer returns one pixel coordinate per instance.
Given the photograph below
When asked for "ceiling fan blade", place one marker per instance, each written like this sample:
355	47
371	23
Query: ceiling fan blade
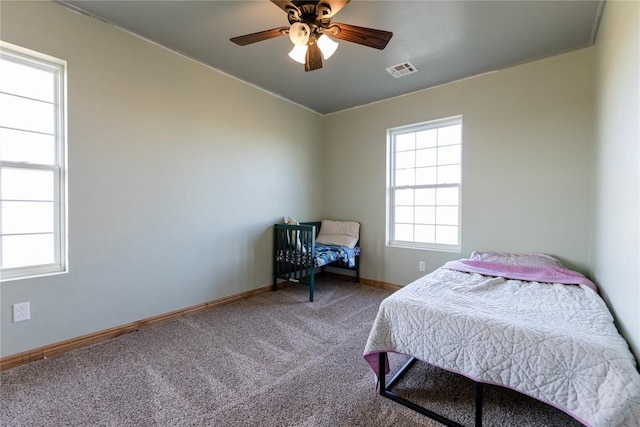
366	36
284	5
314	57
336	5
259	36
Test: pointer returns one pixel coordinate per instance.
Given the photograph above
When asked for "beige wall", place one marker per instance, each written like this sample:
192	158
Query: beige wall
528	140
176	173
616	236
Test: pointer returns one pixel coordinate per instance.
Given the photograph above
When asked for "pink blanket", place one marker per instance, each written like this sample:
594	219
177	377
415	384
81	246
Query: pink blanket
530	274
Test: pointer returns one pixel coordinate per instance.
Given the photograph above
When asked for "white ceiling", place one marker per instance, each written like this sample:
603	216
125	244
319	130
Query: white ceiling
445	40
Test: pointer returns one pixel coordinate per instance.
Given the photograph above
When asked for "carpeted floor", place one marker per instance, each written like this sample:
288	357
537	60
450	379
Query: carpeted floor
271	360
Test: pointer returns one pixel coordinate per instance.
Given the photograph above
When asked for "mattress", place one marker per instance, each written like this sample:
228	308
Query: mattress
552	341
324	255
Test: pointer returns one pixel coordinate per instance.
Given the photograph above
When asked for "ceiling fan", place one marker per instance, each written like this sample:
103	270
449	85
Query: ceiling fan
309	30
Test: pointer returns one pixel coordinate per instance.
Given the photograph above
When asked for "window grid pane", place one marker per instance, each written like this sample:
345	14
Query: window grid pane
27	250
426	178
404	232
27	217
425	234
27	114
26	81
27	184
27	147
405	142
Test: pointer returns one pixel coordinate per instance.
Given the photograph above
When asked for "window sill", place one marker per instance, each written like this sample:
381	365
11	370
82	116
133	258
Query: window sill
32	273
423	247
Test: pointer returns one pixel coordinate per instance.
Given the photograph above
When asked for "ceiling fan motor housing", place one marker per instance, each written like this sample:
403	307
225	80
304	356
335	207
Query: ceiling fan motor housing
313	13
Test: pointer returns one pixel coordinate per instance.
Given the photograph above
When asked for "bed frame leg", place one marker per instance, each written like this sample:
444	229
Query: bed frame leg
478	404
311	286
385	391
274	287
382	362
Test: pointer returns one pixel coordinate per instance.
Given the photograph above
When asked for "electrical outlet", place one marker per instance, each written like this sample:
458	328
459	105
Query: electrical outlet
21	311
421	266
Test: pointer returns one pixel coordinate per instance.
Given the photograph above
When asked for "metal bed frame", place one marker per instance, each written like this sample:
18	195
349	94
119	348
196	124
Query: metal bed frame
300	272
386	386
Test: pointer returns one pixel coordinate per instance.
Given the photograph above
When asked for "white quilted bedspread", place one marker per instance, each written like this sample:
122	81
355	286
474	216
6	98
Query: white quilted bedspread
556	343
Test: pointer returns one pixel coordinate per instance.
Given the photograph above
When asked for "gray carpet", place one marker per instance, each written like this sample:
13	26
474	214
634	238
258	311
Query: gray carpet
271	360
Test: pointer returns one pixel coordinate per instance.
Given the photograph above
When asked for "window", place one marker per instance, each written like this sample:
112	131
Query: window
424	185
32	163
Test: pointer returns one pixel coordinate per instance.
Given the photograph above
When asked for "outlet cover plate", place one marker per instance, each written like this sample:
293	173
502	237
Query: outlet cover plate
21	311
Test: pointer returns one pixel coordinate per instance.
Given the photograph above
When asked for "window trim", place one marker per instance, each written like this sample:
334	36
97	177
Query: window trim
59	168
390	211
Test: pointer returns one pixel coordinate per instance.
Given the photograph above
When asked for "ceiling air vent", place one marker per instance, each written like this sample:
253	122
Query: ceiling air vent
402	70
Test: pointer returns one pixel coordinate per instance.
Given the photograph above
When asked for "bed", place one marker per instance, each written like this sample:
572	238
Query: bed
300	249
520	321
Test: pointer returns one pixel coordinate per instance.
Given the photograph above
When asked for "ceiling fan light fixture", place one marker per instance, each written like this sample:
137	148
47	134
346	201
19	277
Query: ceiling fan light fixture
299	33
327	46
299	53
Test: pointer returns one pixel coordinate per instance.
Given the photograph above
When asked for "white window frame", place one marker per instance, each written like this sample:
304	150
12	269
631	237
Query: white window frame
391	185
58	67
